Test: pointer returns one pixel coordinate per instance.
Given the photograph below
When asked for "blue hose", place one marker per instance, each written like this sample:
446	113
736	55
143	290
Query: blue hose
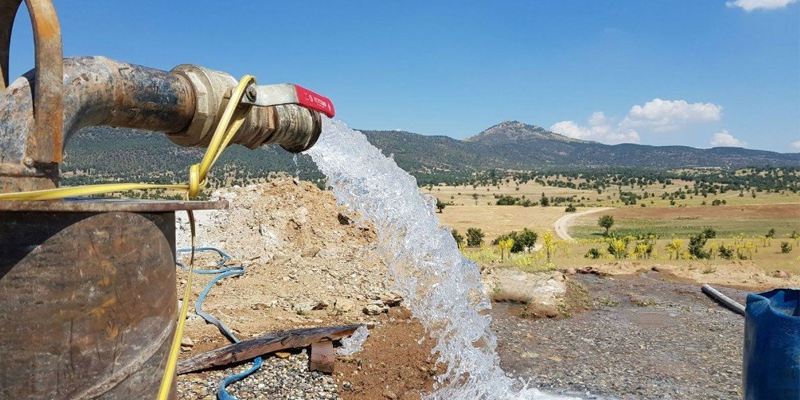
223	272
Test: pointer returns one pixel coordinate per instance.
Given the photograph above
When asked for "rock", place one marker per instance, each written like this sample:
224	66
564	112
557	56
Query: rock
545	289
282	354
344	305
310	252
186	343
374	309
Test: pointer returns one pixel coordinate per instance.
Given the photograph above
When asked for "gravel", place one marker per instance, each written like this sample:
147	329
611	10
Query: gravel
278	378
647	339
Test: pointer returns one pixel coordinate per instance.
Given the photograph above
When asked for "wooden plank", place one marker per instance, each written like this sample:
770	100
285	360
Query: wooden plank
252	348
322	357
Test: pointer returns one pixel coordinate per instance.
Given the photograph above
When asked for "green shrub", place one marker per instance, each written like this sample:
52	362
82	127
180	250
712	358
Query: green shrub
457	237
522	240
474	237
726	252
593	253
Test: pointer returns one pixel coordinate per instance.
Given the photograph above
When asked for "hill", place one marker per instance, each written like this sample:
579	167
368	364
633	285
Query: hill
514	145
104	153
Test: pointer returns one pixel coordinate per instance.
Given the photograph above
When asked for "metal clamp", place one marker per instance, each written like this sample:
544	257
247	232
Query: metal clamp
46	143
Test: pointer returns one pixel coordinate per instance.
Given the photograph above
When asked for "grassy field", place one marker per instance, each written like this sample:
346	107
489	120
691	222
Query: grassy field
465	195
728	221
741	220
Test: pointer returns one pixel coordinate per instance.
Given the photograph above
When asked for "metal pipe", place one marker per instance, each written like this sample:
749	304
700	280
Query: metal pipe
726	301
184	104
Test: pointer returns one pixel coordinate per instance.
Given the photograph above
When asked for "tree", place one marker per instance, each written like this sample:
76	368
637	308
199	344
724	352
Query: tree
544	201
457	237
606	221
440	205
696	244
571	208
474	237
526	239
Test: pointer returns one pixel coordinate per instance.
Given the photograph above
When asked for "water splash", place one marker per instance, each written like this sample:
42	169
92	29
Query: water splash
441	288
353	344
296	167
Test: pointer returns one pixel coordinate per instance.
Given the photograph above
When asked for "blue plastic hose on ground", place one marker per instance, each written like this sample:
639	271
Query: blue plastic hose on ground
222	273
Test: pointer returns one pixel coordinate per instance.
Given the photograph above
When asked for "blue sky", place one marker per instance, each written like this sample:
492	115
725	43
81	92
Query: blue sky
689	72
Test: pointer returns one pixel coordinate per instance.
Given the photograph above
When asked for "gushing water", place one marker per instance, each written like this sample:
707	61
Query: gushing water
441	288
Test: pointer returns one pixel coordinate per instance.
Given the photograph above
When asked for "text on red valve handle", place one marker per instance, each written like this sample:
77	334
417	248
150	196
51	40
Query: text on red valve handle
315	101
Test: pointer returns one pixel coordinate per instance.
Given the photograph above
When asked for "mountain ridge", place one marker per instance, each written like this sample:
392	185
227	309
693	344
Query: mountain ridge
516	145
102	153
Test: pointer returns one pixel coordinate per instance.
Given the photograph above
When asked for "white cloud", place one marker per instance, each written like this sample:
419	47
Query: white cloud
725	139
795	145
750	5
600	129
667	115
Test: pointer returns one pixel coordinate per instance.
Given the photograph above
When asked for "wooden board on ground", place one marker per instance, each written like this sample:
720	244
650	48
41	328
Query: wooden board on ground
249	349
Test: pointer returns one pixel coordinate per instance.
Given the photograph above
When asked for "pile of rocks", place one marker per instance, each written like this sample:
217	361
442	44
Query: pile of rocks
284	377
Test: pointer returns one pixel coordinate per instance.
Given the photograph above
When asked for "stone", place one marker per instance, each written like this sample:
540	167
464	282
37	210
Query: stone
344	304
186	343
374	309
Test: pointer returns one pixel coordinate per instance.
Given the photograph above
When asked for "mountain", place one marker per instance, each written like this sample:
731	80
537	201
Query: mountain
515	145
517	132
103	153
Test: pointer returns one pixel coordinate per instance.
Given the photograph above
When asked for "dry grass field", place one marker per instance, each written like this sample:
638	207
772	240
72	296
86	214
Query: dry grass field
741	220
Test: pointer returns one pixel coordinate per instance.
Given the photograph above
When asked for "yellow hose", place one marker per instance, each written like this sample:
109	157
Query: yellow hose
232	119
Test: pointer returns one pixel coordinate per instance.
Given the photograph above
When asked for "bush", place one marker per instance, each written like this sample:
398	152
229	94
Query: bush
618	248
696	244
771	233
571	208
726	252
786	247
593	253
474	237
522	240
506	201
709	232
457	237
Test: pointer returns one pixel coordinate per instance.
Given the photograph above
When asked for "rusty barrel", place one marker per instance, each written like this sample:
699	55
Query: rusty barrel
88	305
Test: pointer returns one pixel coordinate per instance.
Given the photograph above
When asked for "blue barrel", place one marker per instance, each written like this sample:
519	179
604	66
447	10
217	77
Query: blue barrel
771	369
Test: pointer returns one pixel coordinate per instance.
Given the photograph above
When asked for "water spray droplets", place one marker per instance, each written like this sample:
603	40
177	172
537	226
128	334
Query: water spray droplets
440	287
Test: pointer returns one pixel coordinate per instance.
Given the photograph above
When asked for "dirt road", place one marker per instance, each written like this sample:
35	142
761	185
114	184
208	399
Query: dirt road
563	223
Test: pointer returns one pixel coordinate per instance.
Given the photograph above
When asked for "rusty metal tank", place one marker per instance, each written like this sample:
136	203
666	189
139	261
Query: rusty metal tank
88	295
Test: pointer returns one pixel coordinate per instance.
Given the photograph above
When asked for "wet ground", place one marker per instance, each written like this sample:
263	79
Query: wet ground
648	337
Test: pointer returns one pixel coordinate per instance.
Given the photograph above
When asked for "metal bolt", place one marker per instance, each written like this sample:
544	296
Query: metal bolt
28	162
250	92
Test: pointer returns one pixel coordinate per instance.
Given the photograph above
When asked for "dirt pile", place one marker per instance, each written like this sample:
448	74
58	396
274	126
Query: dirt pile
307	263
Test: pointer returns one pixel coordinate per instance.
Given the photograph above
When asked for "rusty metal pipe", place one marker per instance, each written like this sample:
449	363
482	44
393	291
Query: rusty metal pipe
185	104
